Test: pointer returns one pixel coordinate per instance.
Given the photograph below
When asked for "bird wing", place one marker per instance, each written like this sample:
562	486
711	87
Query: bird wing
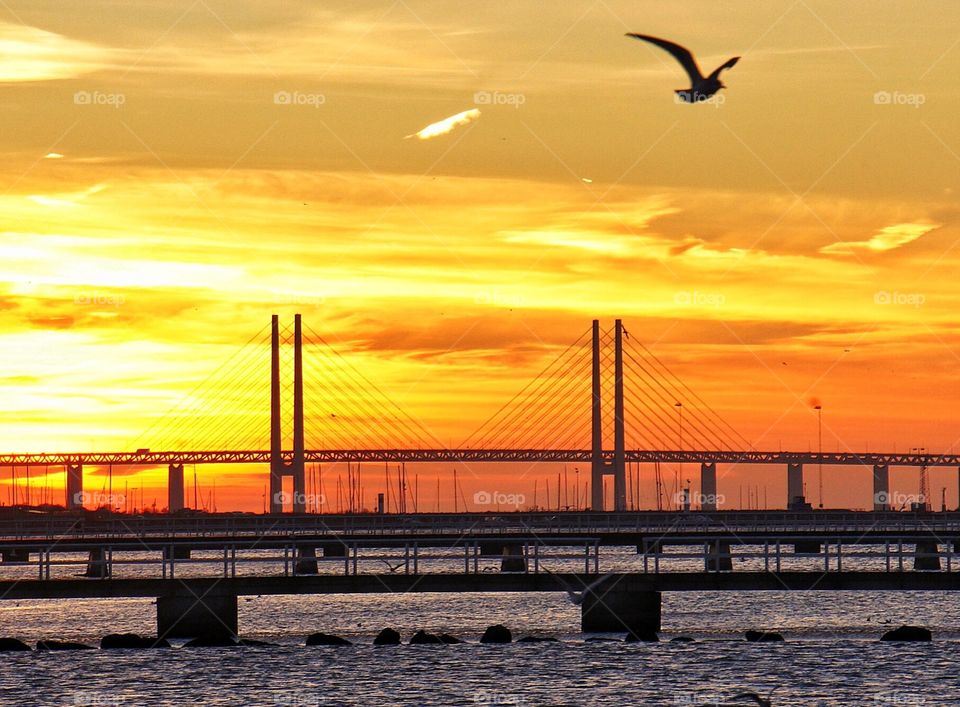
681	54
726	65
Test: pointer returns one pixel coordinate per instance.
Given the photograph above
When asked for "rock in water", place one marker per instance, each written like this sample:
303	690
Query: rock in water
537	639
642	636
422	638
763	636
498	633
325	639
908	633
132	640
682	639
13	644
387	637
448	639
62	646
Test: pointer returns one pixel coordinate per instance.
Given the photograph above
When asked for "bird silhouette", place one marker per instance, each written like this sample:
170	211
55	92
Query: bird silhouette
702	87
392	568
577	597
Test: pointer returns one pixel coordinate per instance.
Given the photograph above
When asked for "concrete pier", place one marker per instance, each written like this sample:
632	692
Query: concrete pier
927	556
175	488
74	486
620	610
97	565
881	487
512	559
718	557
306	560
795	498
708	487
186	614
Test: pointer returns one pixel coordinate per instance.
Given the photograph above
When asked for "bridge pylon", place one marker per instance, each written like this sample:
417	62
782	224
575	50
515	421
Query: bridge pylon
278	468
598	467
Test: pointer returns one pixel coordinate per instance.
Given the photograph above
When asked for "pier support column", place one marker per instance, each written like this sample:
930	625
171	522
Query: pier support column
807	547
197	615
174	488
74	487
16	554
306	560
620	610
513	559
97	565
333	550
881	487
718	557
795	499
176	552
708	487
927	556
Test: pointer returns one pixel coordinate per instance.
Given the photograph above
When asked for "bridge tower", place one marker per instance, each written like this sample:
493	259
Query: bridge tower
278	468
598	466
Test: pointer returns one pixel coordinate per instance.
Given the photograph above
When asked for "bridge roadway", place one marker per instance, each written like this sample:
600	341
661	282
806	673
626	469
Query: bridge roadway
158	458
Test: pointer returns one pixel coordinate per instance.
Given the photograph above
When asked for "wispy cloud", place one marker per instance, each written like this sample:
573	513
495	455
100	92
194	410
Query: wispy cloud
887	238
442	127
32	54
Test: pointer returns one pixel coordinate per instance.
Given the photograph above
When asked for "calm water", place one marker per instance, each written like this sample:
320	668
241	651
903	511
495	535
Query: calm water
833	659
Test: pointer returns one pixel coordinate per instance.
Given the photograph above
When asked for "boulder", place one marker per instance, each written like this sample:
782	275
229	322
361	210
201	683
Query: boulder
641	635
132	640
537	639
908	633
448	639
387	637
13	644
763	636
498	633
325	639
422	638
62	646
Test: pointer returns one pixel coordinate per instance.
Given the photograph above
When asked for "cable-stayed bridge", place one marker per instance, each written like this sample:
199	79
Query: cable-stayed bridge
288	398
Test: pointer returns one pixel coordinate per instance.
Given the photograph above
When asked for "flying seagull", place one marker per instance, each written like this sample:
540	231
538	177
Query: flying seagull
578	597
702	86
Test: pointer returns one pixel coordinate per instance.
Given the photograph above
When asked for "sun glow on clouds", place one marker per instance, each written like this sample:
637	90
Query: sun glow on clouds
888	238
442	127
32	54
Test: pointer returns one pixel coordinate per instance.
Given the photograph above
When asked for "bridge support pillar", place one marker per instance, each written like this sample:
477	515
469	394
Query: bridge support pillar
513	559
650	547
620	610
927	556
807	547
306	560
74	487
98	566
174	488
708	487
881	487
202	614
718	557
596	456
795	499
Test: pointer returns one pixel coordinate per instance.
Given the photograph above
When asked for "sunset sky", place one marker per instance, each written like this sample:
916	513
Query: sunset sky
176	172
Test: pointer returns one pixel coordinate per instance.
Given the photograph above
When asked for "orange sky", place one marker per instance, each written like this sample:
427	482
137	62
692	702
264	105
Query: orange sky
176	172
